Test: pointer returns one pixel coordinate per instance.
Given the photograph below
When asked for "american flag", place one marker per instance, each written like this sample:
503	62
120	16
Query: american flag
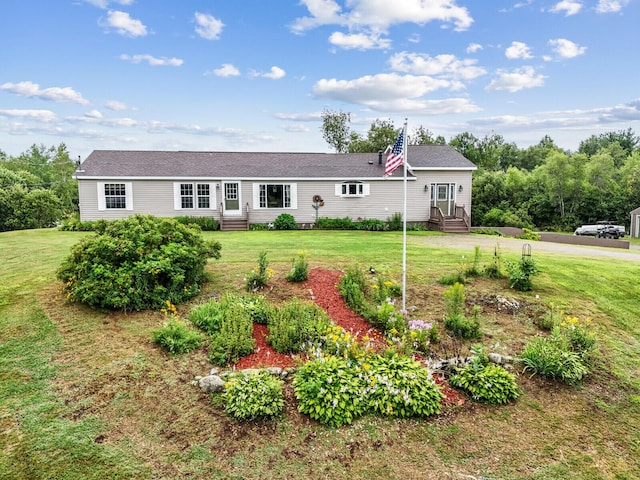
396	155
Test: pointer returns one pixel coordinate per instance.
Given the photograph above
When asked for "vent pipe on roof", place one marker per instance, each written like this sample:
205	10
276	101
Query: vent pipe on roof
379	157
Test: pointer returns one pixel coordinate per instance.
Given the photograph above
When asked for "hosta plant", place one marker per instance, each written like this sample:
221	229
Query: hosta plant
398	386
330	391
253	395
485	382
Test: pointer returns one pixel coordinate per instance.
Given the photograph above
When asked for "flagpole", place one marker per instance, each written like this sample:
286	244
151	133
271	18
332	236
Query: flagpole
404	222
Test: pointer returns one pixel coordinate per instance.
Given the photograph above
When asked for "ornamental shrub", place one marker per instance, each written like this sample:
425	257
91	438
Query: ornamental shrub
330	391
485	382
455	320
206	224
253	395
235	338
285	221
209	316
176	337
137	263
398	386
258	278
300	268
520	274
395	222
296	324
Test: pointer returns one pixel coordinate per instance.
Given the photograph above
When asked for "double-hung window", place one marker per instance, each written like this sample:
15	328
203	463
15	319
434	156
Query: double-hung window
190	196
115	196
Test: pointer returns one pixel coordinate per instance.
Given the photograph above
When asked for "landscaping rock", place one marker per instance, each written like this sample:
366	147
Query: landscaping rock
211	384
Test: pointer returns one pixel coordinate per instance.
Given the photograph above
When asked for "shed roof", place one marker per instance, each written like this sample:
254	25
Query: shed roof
182	164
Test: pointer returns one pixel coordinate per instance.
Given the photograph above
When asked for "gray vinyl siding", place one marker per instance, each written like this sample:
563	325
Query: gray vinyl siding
156	197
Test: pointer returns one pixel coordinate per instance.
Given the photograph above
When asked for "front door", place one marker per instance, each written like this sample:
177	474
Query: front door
443	195
231	198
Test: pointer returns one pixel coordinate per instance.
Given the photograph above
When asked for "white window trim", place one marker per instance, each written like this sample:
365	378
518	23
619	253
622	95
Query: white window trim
177	197
366	189
293	187
128	190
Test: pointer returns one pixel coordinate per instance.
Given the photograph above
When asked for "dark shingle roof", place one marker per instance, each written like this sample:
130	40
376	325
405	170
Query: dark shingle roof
123	163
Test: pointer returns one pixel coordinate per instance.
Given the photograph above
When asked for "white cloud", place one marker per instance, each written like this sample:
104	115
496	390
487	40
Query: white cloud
359	41
611	6
516	80
123	24
276	73
105	3
153	61
300	117
393	93
55	94
46	116
93	114
208	27
226	70
569	7
474	47
371	18
564	48
323	12
445	66
518	50
296	128
117	106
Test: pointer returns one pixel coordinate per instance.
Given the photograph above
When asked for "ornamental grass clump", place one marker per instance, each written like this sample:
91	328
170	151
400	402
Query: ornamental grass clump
567	354
253	395
485	382
176	337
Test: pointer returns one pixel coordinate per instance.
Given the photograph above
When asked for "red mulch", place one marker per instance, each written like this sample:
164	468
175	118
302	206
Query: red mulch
322	287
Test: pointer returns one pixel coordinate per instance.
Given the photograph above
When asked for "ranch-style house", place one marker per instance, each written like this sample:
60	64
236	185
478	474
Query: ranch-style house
243	188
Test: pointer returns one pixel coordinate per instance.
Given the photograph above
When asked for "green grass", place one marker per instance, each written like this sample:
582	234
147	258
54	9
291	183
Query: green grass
88	395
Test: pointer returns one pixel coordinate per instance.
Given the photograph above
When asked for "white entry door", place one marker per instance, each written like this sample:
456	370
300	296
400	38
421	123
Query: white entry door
443	195
232	198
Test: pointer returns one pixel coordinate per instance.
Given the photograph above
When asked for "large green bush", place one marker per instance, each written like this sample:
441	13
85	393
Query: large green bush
137	263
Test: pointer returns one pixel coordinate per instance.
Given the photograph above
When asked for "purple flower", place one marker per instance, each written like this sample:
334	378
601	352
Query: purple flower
419	325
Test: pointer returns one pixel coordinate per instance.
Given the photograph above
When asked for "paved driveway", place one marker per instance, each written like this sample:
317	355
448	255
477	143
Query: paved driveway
485	242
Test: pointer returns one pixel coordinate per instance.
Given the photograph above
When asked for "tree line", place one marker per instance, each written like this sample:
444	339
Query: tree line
541	186
36	188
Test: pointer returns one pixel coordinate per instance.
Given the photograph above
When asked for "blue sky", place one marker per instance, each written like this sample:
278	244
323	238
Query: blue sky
255	75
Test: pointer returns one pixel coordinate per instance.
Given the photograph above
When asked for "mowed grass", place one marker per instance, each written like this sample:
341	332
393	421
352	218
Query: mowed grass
85	394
